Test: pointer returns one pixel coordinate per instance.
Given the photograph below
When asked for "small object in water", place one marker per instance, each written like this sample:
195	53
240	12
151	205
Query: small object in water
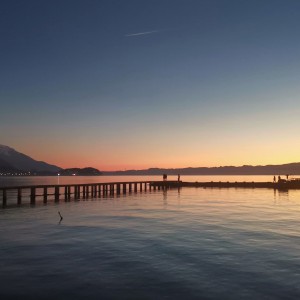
60	216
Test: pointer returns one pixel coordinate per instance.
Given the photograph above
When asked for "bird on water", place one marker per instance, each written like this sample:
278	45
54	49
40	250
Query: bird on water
60	216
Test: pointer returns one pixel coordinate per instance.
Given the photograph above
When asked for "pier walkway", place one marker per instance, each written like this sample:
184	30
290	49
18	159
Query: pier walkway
67	192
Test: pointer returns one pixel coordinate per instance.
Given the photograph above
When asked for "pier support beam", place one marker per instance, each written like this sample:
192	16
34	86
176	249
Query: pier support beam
45	194
32	195
66	193
19	196
56	194
112	189
77	188
69	193
99	190
4	198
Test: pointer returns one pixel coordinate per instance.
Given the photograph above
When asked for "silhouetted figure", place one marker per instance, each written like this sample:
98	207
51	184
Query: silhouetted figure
274	179
165	176
178	177
60	217
279	178
287	177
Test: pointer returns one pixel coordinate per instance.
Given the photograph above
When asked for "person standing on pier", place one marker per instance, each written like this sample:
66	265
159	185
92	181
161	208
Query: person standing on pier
274	179
165	176
178	177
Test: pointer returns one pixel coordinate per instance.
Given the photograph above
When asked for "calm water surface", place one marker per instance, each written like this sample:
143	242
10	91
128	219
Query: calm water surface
192	244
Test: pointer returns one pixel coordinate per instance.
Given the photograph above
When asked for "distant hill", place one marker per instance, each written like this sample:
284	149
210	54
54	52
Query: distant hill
6	167
12	160
291	169
80	172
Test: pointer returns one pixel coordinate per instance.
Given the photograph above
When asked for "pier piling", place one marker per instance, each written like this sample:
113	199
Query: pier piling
4	197
56	194
33	195
19	196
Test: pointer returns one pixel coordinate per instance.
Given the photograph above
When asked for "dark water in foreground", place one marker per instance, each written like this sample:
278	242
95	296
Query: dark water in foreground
192	244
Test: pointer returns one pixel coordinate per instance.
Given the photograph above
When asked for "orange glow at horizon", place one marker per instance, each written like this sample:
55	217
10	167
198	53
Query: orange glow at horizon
105	161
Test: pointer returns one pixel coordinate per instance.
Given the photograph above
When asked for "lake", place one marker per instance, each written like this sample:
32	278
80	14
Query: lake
191	243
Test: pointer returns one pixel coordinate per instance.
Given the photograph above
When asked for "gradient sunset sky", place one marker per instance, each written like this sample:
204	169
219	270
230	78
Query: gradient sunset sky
159	83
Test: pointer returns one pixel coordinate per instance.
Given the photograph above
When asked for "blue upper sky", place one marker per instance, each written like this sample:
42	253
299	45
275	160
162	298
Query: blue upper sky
151	83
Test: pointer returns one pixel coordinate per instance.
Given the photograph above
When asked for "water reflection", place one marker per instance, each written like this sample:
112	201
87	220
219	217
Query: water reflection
165	197
281	195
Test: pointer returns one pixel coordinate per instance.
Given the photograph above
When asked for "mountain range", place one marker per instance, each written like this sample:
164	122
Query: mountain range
284	169
14	161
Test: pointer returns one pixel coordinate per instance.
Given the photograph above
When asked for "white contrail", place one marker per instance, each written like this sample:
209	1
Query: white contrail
142	33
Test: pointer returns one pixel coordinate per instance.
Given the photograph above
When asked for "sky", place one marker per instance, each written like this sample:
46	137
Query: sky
136	84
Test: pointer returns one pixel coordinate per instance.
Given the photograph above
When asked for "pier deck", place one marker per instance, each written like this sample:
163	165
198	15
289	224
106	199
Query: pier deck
96	190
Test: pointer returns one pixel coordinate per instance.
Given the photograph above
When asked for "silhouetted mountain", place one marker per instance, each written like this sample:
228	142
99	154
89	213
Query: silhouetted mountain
291	169
80	172
6	167
11	160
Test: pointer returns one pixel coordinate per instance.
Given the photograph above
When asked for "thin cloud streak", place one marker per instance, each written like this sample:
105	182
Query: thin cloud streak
141	33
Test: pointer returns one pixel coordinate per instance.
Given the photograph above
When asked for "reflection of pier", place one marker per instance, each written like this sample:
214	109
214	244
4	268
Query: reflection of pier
97	190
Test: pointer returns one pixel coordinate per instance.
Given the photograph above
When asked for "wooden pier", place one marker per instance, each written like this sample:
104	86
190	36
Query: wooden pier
282	185
67	192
